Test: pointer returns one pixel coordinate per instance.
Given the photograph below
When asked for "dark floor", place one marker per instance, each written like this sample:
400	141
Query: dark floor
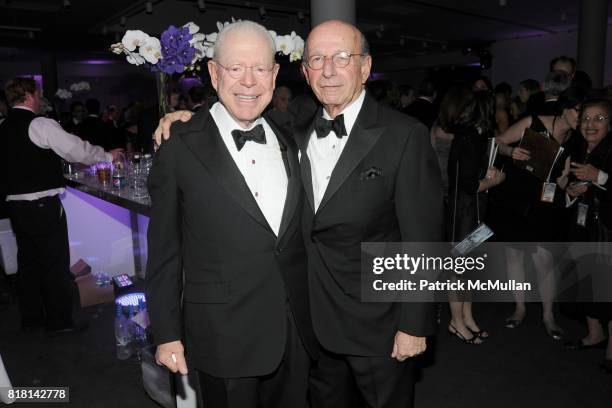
514	368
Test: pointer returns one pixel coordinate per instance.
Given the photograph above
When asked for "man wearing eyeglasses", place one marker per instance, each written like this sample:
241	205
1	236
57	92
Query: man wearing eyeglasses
370	175
226	278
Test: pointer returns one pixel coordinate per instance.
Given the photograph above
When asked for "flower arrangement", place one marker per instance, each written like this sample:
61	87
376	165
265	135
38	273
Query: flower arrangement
63	94
76	87
80	86
179	49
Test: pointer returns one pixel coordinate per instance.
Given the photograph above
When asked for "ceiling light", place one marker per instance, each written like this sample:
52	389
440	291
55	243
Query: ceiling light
201	5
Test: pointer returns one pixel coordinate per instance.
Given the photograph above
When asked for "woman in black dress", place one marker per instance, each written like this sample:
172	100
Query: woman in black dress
589	186
469	179
520	214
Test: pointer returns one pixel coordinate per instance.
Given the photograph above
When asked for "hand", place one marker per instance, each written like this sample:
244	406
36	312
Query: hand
164	354
518	153
495	176
406	346
117	153
585	172
163	129
575	190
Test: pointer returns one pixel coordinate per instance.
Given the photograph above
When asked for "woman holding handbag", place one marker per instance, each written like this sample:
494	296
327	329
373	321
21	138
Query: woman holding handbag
469	179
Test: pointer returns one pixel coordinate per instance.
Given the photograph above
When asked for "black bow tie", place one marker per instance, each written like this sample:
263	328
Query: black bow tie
257	135
324	126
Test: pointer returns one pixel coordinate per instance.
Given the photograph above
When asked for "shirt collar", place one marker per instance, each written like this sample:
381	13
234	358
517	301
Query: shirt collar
350	112
225	121
23	107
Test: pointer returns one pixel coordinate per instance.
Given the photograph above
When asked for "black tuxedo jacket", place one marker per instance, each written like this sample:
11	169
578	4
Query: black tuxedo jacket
218	277
404	203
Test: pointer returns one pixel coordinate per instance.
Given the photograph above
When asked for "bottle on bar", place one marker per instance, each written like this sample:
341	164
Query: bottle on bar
122	334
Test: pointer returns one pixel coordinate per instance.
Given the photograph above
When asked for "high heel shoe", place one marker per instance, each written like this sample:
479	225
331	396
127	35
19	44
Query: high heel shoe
514	322
483	334
457	334
554	332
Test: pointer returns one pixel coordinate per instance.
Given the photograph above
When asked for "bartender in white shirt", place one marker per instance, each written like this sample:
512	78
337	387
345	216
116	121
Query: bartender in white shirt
31	179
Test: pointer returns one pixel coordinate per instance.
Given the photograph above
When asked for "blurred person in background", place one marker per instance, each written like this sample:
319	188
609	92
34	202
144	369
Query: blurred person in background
587	182
469	178
35	145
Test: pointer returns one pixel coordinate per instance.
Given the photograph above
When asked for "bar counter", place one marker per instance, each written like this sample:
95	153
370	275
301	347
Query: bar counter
85	181
106	226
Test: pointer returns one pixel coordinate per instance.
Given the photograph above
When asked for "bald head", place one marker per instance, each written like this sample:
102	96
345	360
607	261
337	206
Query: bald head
240	31
341	28
343	52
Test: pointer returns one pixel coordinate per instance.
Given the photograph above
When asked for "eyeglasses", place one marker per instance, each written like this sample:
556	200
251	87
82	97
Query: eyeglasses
340	59
237	71
597	119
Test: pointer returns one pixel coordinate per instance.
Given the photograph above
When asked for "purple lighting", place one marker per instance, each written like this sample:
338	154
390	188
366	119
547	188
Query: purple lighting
97	62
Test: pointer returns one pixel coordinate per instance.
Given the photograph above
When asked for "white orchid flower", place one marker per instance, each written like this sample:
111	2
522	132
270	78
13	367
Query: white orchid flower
80	86
63	93
193	28
212	37
151	50
135	58
117	48
284	44
209	51
133	39
298	45
197	38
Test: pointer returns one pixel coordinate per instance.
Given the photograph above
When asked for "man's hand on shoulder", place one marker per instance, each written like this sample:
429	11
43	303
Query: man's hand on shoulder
406	346
163	129
172	355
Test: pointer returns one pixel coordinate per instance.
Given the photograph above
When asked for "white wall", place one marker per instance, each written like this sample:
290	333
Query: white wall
519	59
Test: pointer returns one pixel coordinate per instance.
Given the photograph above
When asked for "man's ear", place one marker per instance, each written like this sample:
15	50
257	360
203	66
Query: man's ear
305	73
212	71
366	67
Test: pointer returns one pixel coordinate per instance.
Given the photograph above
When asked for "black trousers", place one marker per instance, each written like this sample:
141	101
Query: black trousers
44	284
343	381
286	387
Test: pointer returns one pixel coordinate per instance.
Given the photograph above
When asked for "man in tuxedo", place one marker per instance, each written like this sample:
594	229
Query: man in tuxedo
423	107
370	175
197	98
92	129
227	279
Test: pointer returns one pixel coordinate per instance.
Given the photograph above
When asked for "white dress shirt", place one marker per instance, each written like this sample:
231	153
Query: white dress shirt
48	134
261	165
324	153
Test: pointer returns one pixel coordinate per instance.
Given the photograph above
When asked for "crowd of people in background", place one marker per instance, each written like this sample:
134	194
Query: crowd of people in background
462	118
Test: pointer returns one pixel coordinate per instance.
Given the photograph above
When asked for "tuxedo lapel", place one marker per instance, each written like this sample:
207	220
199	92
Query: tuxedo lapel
363	137
210	150
302	138
289	156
